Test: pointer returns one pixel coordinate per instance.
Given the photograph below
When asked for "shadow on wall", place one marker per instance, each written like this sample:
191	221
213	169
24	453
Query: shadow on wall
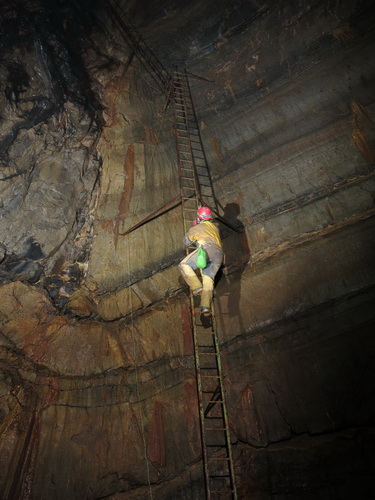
236	256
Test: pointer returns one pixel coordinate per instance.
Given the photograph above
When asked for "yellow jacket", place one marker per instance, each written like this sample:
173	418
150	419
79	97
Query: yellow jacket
205	232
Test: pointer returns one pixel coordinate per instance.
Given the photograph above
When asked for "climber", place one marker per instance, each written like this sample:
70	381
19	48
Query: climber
203	233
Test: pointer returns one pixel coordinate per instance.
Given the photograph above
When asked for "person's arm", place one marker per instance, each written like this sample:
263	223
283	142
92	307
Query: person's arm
187	241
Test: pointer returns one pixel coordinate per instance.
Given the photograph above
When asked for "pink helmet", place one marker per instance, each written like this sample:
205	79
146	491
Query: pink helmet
204	213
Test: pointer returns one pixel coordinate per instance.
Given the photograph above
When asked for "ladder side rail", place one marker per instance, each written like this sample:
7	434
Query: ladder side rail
198	141
148	59
189	203
214	438
225	415
200	402
216	399
184	97
214	422
180	121
136	38
180	125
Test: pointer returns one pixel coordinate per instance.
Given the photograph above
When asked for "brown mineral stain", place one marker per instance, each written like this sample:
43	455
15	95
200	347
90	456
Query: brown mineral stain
114	91
151	136
271	101
360	140
229	87
261	235
107	226
58	266
260	82
26	465
155	341
186	329
25	468
116	348
246	398
360	111
50	393
329	211
221	42
105	153
216	147
190	397
361	122
343	32
55	327
127	191
156	441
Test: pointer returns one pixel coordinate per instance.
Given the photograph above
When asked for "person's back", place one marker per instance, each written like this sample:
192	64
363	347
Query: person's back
203	233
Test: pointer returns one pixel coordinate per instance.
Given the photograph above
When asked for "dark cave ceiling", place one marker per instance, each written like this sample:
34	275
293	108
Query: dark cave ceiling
174	30
177	31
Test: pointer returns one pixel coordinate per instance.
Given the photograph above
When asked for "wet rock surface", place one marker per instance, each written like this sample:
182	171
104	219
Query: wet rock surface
49	125
97	383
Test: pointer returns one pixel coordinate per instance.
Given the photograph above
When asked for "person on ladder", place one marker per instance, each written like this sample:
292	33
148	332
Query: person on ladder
205	234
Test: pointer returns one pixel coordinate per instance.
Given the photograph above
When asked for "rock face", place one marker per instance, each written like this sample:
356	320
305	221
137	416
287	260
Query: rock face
97	383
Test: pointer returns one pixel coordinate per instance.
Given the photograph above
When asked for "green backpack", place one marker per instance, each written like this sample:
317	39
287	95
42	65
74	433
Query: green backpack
201	261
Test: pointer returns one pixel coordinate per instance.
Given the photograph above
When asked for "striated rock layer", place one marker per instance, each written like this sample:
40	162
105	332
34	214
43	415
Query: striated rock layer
97	383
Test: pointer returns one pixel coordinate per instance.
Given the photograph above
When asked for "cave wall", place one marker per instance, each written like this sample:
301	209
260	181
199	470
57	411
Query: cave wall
288	125
98	395
49	128
289	119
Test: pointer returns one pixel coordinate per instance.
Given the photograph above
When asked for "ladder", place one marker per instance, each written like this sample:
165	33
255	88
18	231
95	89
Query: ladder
139	48
190	152
196	189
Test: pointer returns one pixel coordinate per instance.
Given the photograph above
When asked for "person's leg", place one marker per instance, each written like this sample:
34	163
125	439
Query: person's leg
206	297
215	259
186	268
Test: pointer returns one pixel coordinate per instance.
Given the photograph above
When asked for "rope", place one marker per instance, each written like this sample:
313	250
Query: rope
147	169
137	382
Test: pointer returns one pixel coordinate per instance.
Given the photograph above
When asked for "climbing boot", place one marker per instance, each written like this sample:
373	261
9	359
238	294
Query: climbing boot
206	311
